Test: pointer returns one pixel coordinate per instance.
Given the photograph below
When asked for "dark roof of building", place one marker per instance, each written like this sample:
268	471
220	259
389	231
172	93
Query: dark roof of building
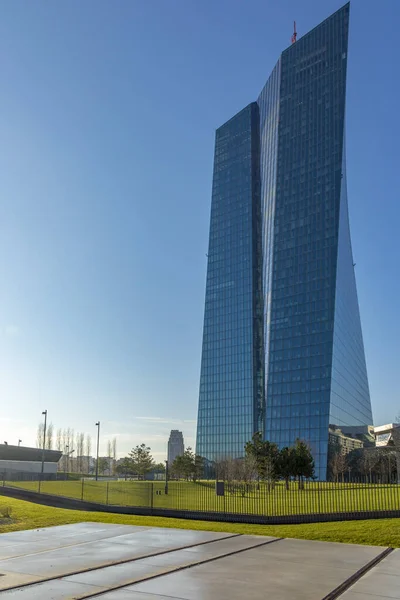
23	453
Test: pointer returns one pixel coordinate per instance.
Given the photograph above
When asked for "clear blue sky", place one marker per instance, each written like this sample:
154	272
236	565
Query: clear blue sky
107	120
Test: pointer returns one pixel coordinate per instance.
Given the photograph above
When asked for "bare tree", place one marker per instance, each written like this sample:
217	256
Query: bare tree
238	473
88	451
114	453
64	444
49	437
69	439
338	465
109	455
59	440
79	445
40	435
368	463
396	444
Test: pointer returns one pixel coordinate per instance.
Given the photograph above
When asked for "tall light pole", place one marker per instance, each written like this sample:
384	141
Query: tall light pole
69	454
166	477
97	457
44	438
66	449
44	447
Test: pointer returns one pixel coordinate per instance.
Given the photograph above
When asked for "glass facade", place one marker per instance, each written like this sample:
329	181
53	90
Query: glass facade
281	288
230	385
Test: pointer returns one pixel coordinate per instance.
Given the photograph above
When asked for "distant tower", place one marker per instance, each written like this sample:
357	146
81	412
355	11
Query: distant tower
176	446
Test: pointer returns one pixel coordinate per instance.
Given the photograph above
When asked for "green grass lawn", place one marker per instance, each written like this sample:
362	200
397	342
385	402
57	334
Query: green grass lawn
380	532
318	497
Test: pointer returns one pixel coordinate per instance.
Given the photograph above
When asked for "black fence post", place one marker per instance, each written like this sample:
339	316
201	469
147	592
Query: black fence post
108	484
83	483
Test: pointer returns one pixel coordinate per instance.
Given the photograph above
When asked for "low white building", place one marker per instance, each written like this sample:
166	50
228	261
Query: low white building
21	459
389	436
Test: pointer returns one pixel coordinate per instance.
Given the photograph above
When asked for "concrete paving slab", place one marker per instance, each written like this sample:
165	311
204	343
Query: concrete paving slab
287	569
378	583
158	565
40	540
139	542
54	590
282	581
355	596
382	581
390	565
9	579
282	570
304	551
162	537
65	560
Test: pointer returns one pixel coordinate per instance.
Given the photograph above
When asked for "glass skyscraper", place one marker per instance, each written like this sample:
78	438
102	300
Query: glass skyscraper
282	343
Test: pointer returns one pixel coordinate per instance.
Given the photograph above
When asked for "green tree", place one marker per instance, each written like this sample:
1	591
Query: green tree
176	469
159	467
103	465
189	465
266	456
198	471
303	463
125	467
142	460
286	464
183	466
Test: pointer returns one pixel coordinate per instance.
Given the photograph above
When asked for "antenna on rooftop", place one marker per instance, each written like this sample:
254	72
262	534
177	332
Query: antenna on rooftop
294	36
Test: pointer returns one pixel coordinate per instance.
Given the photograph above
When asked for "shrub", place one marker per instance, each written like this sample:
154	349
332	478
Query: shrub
5	512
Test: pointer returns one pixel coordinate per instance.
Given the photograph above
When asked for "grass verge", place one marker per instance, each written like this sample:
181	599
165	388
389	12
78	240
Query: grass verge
378	532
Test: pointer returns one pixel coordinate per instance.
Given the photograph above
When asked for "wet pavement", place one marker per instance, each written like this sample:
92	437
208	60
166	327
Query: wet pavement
122	562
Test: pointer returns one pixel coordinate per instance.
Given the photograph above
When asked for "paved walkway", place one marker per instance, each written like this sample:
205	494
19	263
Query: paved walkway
121	562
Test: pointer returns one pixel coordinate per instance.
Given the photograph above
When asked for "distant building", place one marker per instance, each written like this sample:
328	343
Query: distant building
365	433
176	446
19	461
77	464
387	435
346	443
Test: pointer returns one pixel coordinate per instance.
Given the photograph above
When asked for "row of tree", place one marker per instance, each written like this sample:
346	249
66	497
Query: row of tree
264	461
371	464
188	466
140	462
76	449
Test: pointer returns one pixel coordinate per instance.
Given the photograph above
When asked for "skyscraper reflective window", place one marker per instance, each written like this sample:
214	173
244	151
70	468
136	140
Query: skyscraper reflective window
282	343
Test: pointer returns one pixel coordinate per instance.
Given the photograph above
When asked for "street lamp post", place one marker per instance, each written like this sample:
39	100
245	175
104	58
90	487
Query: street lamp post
66	459
69	454
166	477
44	445
97	455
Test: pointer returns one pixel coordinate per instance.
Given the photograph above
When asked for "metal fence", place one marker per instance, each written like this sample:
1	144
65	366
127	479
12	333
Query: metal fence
233	501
